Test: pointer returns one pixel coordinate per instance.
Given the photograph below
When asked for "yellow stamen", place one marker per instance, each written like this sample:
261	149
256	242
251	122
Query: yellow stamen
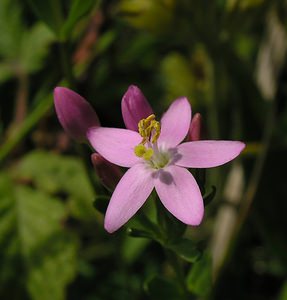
148	154
141	151
156	127
149	129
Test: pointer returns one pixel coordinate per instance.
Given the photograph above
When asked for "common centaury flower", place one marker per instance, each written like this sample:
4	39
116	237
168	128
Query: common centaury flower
156	157
75	114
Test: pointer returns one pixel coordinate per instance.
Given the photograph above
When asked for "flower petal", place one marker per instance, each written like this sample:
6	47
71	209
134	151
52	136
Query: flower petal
175	123
115	145
134	107
195	128
180	194
207	154
75	114
128	197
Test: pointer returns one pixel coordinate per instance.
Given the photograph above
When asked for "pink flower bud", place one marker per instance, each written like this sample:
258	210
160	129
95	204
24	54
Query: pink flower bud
108	173
75	114
134	107
195	129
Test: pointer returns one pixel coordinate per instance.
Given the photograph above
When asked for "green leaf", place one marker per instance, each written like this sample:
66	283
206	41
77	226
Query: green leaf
52	267
172	228
23	49
78	9
34	47
38	256
11	28
187	250
160	288
199	278
56	174
134	232
132	249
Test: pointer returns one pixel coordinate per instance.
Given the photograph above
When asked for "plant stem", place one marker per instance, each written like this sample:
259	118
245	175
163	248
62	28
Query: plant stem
21	99
27	125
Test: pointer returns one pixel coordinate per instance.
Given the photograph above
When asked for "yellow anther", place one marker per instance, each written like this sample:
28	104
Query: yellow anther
144	126
141	151
156	134
148	154
149	129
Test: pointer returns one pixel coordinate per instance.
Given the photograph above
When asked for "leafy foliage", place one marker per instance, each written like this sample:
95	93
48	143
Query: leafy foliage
54	174
37	255
22	49
199	278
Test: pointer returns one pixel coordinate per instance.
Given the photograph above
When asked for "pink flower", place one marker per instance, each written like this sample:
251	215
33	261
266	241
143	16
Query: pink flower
194	132
74	113
134	107
157	159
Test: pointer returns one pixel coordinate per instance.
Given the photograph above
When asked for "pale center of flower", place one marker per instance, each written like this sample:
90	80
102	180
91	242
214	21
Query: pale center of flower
149	130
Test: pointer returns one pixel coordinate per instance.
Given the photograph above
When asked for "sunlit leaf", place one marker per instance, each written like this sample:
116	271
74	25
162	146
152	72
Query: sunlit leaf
34	47
54	174
155	16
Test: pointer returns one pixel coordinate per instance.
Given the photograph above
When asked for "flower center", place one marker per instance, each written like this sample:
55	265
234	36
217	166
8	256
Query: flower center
149	130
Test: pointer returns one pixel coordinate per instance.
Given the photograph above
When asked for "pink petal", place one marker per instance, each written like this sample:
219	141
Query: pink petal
207	154
75	114
134	107
128	197
175	123
194	133
180	194
115	145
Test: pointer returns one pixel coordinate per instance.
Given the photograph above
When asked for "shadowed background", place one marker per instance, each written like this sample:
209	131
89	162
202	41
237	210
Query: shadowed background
227	56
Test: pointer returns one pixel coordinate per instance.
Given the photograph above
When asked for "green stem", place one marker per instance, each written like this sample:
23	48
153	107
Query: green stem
32	119
172	258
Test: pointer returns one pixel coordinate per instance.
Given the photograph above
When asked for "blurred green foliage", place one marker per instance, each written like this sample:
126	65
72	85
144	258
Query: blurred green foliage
52	241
